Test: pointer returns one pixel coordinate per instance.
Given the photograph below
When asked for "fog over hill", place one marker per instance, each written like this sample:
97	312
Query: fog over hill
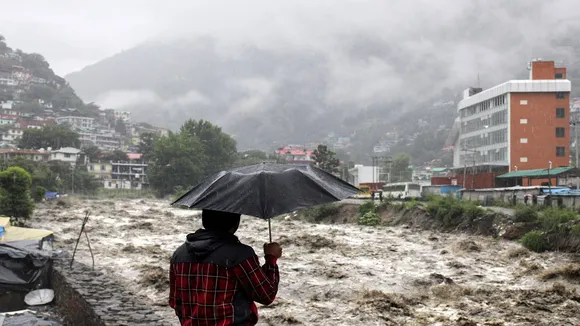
328	67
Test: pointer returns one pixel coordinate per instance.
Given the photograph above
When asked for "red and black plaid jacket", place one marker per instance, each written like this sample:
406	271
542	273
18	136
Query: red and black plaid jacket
215	280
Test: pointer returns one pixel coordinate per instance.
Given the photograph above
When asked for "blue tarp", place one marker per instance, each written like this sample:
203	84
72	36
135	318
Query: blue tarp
51	195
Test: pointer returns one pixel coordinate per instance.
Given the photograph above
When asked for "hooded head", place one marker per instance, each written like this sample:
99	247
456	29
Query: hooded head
220	221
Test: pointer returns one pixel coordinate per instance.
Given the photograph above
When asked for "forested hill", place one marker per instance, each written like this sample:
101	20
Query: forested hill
28	81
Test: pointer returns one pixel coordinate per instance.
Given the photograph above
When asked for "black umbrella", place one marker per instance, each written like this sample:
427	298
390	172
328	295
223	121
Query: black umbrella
267	190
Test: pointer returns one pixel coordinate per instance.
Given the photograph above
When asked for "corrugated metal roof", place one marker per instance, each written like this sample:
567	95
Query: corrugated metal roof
536	173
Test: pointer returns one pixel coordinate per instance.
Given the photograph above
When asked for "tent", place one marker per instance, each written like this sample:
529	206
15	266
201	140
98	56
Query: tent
10	233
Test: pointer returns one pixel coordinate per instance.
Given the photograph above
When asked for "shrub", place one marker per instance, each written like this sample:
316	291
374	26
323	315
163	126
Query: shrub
320	212
552	218
367	206
15	198
39	193
535	241
575	229
451	211
526	214
412	204
370	219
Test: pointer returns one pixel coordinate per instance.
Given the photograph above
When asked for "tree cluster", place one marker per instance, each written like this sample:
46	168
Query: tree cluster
55	136
326	159
183	159
399	169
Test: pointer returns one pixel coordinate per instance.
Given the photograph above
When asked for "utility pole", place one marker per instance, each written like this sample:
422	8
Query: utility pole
574	124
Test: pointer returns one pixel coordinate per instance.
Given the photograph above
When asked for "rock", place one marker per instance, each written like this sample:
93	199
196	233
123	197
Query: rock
517	230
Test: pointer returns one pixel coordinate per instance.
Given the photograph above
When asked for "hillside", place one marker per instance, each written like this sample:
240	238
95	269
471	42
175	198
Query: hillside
356	86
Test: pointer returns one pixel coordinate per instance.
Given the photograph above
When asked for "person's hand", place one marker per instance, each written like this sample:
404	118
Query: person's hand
273	249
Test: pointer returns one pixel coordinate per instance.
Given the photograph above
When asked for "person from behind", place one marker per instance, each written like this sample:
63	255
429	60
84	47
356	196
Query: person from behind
216	280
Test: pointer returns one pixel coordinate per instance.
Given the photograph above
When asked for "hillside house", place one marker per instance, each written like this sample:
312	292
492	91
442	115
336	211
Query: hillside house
294	154
131	174
11	134
28	154
6	119
77	122
66	154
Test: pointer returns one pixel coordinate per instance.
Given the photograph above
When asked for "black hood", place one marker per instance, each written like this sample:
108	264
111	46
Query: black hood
204	242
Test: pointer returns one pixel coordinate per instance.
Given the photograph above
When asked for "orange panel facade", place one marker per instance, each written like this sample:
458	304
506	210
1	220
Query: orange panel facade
539	130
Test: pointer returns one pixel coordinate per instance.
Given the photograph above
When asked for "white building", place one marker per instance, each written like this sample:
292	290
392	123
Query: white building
8	81
12	134
366	174
78	122
66	154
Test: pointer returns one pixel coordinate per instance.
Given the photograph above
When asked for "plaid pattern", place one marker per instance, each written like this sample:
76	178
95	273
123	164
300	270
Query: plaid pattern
202	294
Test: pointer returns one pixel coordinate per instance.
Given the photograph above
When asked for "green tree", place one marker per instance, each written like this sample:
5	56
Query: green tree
120	127
399	168
146	144
15	199
326	159
93	153
116	156
56	136
219	148
177	161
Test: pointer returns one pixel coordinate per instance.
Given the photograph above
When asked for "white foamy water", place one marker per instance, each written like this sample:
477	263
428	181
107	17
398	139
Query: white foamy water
329	272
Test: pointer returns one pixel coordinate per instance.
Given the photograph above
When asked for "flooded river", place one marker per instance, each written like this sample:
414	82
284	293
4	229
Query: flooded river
338	274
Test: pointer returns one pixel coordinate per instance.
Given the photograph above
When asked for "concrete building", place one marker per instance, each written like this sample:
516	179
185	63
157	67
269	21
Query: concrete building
520	124
66	154
77	122
131	174
28	154
367	174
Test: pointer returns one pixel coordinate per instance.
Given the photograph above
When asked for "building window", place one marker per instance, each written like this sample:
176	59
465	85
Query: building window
560	132
559	75
102	168
91	168
560	113
67	155
560	151
560	95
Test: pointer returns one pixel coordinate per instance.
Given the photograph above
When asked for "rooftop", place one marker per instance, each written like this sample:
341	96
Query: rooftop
517	86
67	150
539	173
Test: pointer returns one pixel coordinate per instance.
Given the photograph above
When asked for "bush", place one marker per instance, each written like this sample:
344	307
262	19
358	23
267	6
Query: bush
412	204
451	211
15	198
367	206
526	214
552	218
320	212
535	241
39	193
370	219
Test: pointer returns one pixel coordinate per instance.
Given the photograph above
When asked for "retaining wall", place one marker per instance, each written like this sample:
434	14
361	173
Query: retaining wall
90	298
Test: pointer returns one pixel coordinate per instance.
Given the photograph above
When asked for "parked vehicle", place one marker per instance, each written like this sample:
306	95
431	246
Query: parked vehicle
402	190
366	192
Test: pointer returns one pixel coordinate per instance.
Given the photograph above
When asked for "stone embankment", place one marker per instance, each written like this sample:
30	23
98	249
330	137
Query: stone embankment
91	298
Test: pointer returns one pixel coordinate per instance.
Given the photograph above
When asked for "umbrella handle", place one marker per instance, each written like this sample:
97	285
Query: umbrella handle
270	229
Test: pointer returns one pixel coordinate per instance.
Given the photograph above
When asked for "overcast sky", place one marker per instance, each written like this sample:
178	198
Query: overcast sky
72	34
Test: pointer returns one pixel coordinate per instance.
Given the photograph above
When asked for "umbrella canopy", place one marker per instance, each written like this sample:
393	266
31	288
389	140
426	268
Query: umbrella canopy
267	190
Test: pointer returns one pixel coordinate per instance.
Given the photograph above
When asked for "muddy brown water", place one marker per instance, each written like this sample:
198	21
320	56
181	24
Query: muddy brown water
337	274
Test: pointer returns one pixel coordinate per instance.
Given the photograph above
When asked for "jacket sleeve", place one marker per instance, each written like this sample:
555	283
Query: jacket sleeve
174	300
260	283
